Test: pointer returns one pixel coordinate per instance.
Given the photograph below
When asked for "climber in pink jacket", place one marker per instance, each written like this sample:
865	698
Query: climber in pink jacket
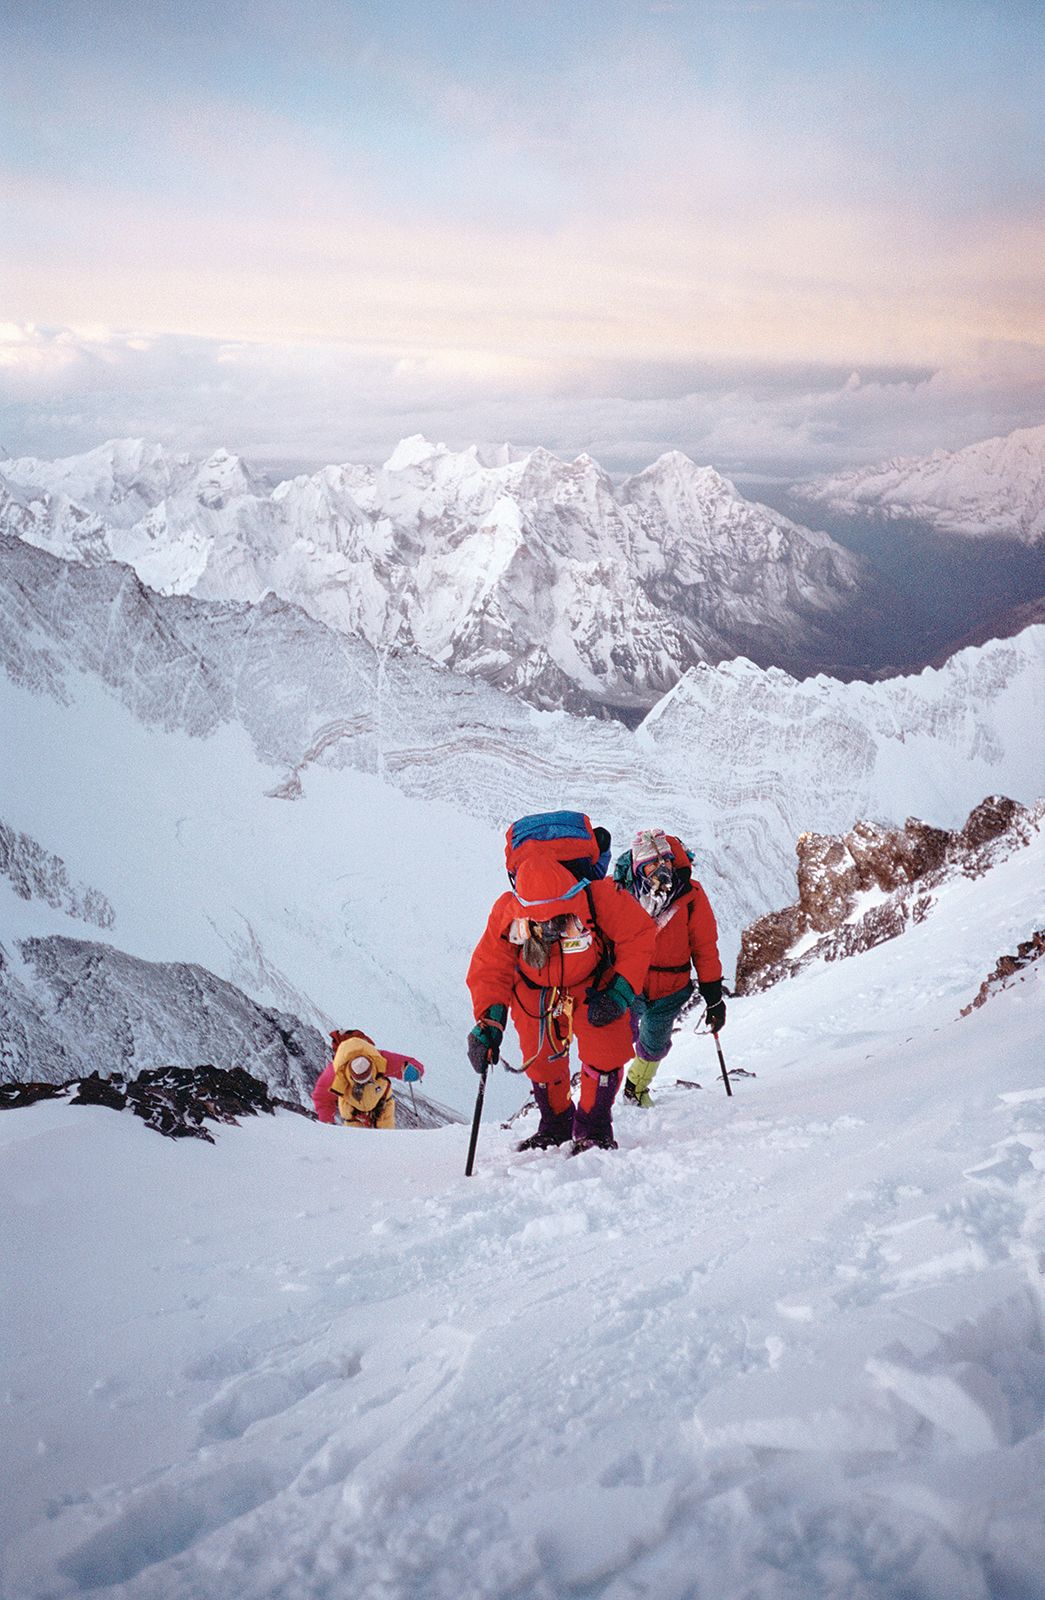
406	1068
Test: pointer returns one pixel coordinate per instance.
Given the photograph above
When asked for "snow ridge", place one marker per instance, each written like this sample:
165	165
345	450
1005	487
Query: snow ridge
993	488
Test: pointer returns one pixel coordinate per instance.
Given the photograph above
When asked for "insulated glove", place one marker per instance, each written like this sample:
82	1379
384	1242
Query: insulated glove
606	1005
484	1041
715	1016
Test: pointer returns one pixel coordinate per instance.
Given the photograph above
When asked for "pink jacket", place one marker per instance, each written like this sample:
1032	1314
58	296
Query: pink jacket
325	1100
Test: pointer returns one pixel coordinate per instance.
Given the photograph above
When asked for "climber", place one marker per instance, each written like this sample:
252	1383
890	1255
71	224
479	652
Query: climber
566	953
324	1096
658	871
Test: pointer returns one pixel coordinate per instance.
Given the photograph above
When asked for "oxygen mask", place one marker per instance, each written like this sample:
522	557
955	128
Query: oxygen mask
655	881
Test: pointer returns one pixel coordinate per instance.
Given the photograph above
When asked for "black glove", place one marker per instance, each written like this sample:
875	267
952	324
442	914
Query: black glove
711	994
606	1005
484	1041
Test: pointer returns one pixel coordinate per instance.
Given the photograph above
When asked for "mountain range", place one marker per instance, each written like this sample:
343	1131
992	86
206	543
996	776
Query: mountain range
541	576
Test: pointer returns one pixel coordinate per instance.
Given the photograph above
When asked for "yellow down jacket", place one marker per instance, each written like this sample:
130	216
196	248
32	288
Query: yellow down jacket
363	1105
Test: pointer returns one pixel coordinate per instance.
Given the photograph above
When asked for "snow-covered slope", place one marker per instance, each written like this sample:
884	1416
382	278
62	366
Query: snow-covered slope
996	487
149	741
536	574
787	1345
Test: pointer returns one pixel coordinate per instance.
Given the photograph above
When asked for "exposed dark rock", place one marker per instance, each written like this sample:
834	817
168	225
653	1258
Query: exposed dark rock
905	865
175	1101
98	1091
833	871
1008	967
15	1095
765	943
989	820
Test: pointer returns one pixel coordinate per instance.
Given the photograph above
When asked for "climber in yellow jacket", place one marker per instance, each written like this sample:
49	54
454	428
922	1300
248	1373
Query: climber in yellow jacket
362	1086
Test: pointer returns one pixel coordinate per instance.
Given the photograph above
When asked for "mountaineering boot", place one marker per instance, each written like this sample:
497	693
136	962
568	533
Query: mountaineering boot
544	1138
600	1141
640	1075
555	1127
592	1120
632	1094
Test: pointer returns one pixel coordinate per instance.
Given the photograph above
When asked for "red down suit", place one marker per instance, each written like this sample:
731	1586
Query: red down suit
686	933
499	974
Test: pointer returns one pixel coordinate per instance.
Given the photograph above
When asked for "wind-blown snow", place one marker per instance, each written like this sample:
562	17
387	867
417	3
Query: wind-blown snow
996	487
785	1345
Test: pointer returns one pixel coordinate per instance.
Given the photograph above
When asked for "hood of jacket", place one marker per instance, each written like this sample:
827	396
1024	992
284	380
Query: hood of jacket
546	889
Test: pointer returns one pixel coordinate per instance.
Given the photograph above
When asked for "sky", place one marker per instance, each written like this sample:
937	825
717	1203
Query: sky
778	234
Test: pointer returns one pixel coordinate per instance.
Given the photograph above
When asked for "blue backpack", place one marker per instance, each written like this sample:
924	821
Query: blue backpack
564	836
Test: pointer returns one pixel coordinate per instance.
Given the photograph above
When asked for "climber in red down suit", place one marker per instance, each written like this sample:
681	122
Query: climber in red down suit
565	958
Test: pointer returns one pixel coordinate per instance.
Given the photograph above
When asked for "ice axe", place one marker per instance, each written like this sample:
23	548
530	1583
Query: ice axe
476	1119
722	1063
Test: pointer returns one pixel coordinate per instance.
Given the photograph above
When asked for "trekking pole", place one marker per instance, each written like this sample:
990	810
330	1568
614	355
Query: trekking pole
477	1115
722	1064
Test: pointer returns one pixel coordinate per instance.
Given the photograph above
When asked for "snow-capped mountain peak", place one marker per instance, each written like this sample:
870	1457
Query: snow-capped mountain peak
682	491
413	452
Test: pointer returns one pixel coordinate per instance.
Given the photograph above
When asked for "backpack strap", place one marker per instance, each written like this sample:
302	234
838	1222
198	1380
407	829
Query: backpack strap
609	949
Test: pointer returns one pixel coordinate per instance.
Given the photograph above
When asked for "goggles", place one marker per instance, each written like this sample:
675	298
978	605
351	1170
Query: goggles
655	870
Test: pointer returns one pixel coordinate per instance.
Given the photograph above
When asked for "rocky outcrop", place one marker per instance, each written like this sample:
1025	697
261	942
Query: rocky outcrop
864	887
1008	969
175	1101
832	871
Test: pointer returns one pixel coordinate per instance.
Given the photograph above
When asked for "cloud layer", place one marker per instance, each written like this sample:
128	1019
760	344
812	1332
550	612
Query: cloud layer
65	390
